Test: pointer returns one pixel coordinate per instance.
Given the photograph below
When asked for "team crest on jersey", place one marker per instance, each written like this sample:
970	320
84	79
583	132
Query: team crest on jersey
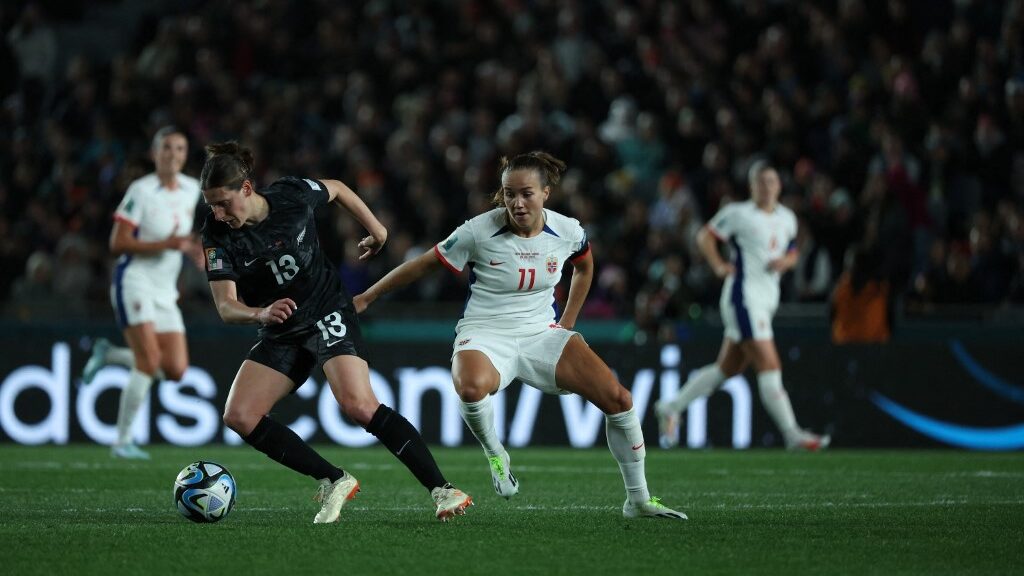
552	264
214	259
301	236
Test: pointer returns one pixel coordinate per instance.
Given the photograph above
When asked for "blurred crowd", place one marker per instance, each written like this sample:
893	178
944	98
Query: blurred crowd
897	127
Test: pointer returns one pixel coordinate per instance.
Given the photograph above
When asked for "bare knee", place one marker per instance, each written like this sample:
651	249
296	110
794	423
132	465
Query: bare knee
240	421
360	411
175	371
620	401
147	361
474	388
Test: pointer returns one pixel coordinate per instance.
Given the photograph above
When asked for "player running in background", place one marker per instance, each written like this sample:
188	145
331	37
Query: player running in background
508	331
152	228
265	267
761	232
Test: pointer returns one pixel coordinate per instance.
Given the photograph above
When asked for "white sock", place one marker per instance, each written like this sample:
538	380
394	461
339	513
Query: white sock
776	401
703	383
626	441
479	416
131	399
120	356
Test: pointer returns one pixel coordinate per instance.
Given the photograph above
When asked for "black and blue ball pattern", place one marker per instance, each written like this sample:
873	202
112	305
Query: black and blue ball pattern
204	492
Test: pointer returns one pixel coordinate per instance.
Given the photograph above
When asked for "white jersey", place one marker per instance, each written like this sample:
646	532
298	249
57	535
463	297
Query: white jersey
756	237
157	213
512	278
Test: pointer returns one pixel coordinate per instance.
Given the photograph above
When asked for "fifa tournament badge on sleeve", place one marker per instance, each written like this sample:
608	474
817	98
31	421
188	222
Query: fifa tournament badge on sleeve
214	260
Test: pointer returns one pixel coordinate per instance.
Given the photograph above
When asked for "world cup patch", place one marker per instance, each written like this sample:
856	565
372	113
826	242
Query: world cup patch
214	259
552	264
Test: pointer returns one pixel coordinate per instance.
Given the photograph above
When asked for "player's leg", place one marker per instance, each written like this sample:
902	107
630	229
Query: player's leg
255	390
170	336
765	358
579	369
476	380
704	382
142	340
349	378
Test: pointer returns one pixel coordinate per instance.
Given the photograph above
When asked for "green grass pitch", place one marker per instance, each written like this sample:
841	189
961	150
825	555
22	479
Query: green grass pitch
73	510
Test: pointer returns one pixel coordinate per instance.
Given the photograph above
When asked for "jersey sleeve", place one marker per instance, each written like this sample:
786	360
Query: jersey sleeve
723	224
308	190
791	228
456	250
219	264
130	208
580	243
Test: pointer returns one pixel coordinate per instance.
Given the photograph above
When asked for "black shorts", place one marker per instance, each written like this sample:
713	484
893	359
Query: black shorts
295	355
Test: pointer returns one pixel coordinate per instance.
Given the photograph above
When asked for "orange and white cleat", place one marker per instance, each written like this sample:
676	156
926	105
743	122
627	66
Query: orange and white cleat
450	502
332	496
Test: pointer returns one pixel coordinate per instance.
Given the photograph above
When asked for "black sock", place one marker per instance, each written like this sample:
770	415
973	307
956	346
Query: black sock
405	442
283	445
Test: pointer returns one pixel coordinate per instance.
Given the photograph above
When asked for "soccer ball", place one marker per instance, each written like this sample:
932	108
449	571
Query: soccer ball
204	492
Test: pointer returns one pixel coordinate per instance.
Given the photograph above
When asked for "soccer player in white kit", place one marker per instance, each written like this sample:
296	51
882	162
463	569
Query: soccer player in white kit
761	233
152	228
509	329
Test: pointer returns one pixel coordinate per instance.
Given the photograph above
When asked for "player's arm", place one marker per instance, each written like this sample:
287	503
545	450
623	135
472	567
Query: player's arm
579	286
234	311
345	197
707	242
786	262
407	273
123	241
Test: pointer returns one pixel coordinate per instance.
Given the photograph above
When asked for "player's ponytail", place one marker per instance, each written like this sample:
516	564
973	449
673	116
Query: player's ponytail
549	168
228	164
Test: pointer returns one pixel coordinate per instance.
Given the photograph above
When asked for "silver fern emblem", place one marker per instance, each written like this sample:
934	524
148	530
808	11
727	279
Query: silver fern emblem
298	239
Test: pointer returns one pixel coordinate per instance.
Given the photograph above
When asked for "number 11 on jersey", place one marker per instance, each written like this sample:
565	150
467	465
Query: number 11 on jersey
522	277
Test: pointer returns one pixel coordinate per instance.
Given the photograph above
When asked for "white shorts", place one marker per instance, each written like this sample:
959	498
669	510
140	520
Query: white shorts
531	358
746	322
134	306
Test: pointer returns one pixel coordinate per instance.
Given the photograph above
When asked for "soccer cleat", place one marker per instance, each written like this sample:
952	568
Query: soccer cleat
450	501
505	483
668	426
97	360
128	451
808	442
652	508
332	496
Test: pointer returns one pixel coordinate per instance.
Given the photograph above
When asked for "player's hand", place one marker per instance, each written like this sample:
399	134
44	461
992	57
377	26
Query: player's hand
181	243
372	245
277	312
724	270
778	265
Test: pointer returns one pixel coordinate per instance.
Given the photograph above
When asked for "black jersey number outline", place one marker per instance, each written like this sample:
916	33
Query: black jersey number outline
332	326
290	268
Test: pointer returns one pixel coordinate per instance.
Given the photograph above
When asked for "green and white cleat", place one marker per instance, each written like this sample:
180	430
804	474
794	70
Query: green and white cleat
653	508
505	483
332	496
128	452
668	426
450	502
97	360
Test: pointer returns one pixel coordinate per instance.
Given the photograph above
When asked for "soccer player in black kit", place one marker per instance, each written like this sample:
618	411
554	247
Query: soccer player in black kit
265	267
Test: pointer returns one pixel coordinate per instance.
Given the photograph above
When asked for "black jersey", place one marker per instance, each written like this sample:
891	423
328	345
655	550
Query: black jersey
278	258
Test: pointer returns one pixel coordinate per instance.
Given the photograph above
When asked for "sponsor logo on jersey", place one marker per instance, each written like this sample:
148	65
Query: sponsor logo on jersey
312	184
552	264
214	259
450	242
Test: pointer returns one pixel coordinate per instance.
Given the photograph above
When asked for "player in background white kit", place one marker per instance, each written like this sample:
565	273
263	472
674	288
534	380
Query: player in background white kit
152	228
509	329
761	233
